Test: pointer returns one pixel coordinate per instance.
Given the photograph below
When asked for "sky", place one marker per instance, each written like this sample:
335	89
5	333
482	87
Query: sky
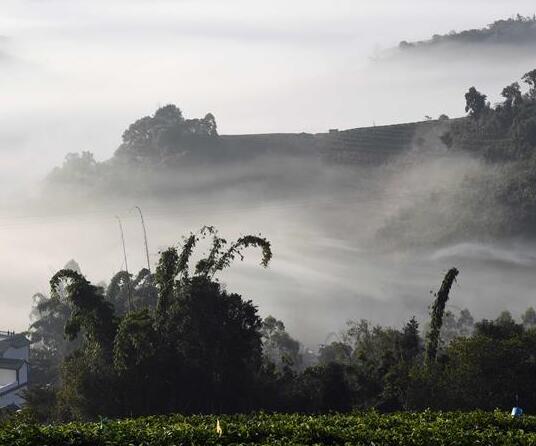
74	74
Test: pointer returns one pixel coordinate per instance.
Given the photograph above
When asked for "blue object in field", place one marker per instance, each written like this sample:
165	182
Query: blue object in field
517	412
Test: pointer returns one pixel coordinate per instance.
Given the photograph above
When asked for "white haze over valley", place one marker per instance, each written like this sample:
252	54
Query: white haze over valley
74	75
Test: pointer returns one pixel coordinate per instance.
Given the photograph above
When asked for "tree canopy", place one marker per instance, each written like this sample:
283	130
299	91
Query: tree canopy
516	30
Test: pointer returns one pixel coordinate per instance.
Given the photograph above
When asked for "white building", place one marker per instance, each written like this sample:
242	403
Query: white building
14	354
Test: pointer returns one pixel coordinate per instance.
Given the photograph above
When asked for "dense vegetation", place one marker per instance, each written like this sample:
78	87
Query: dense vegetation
170	157
167	157
172	341
518	30
177	341
496	199
504	136
164	139
369	428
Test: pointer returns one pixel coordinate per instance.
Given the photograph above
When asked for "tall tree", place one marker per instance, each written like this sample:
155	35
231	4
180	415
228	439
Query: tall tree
512	95
529	318
278	346
438	309
476	103
410	342
530	79
197	348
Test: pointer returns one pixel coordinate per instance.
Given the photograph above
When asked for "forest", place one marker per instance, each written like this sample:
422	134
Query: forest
268	223
499	200
518	30
168	157
177	341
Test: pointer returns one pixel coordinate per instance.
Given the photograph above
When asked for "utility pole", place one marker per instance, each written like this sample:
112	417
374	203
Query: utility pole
145	238
126	264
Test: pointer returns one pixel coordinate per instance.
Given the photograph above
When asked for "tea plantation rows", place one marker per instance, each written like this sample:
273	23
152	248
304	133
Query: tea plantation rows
426	428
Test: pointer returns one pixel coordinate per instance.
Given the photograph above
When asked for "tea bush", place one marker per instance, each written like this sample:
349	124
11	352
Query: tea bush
368	428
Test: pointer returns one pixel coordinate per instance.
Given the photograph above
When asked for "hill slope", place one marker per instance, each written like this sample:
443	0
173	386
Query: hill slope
511	32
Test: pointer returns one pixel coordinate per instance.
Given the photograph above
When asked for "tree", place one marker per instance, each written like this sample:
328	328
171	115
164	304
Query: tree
196	348
86	372
410	341
454	327
512	95
338	352
216	343
476	104
438	309
465	323
169	115
89	309
449	328
485	372
137	138
80	168
529	318
164	134
278	346
530	79
141	291
214	335
50	347
504	327
209	123
136	348
322	389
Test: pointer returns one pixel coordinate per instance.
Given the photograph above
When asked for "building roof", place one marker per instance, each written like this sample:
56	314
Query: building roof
11	364
14	341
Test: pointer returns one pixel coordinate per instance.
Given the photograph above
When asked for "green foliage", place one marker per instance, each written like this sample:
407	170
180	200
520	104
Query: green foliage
530	79
529	318
438	309
90	311
518	30
410	340
335	352
135	344
165	139
476	103
504	133
455	327
498	193
193	347
78	168
322	389
123	291
165	133
363	428
187	344
512	94
278	346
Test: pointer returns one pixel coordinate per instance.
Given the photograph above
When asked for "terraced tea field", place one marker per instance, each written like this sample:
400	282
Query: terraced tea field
368	428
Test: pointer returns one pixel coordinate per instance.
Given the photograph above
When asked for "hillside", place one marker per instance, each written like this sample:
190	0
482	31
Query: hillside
431	182
167	146
364	145
510	32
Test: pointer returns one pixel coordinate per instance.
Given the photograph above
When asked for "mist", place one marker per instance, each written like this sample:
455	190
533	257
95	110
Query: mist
343	248
329	226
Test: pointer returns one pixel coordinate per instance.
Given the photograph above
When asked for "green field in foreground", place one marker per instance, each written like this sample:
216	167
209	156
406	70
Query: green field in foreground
368	428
